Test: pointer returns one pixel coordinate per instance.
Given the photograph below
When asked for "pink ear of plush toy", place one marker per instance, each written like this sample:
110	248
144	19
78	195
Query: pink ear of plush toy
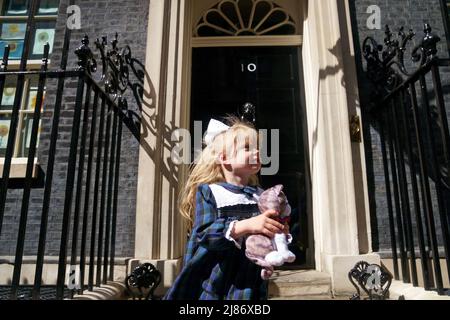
259	247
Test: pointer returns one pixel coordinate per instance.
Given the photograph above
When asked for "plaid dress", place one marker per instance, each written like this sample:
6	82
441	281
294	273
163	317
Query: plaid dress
214	268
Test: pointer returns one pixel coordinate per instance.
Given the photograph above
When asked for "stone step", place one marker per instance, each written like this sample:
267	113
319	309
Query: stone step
313	297
300	283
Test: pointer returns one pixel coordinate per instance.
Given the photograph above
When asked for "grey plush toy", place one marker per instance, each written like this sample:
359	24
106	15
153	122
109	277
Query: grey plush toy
262	250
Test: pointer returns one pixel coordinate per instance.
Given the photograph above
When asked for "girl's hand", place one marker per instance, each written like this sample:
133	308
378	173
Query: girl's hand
286	228
261	224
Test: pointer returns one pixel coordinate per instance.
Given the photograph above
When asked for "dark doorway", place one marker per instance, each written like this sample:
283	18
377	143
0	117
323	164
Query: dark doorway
224	79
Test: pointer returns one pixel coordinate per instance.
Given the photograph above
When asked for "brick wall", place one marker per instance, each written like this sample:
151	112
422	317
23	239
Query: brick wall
129	18
411	14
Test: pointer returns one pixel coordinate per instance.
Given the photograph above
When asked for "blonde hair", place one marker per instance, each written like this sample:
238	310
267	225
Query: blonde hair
207	170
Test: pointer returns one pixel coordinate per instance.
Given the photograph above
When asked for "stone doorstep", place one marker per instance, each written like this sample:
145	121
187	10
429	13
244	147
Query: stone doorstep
296	284
298	290
313	297
286	285
398	289
111	291
301	276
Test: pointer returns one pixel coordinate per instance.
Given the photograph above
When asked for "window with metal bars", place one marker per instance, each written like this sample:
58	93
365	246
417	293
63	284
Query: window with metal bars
14	16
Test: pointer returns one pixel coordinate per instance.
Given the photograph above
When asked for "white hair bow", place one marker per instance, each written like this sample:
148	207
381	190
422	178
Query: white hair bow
214	128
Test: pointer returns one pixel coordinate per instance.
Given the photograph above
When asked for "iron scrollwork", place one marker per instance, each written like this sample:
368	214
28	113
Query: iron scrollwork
146	277
116	74
373	279
116	64
387	67
115	71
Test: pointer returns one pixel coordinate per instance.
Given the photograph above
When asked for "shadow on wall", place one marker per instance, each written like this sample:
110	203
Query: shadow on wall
151	121
146	103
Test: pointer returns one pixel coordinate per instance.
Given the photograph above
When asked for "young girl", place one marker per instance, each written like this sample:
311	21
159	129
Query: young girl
219	204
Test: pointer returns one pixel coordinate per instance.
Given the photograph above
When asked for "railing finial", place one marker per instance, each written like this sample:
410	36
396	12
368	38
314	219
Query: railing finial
115	72
44	63
4	65
386	67
86	60
429	42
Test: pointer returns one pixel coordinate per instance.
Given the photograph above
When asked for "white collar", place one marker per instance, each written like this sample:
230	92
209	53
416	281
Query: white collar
226	198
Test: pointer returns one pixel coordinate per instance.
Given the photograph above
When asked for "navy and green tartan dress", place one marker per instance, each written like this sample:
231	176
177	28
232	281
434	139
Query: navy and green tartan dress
215	266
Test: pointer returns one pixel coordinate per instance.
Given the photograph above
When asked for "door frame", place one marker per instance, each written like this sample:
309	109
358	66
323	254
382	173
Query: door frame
340	194
247	41
190	42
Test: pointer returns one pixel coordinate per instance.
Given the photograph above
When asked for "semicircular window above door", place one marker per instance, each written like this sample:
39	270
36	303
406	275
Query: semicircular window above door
245	18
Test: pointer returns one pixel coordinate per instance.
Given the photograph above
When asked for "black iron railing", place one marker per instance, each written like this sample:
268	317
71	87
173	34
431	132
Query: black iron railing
92	180
413	127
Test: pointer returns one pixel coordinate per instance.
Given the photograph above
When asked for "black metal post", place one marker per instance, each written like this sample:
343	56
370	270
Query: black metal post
4	69
398	212
28	177
88	191
109	201
73	258
103	195
445	175
50	165
415	190
434	166
96	193
115	200
32	8
69	189
404	189
389	200
425	186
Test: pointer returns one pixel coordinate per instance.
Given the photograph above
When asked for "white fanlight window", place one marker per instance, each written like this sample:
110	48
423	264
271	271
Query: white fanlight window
245	18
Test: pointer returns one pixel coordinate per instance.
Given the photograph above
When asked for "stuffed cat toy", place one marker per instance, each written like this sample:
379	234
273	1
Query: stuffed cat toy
262	250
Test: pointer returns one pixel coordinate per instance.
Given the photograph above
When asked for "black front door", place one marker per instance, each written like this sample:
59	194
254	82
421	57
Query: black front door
224	79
